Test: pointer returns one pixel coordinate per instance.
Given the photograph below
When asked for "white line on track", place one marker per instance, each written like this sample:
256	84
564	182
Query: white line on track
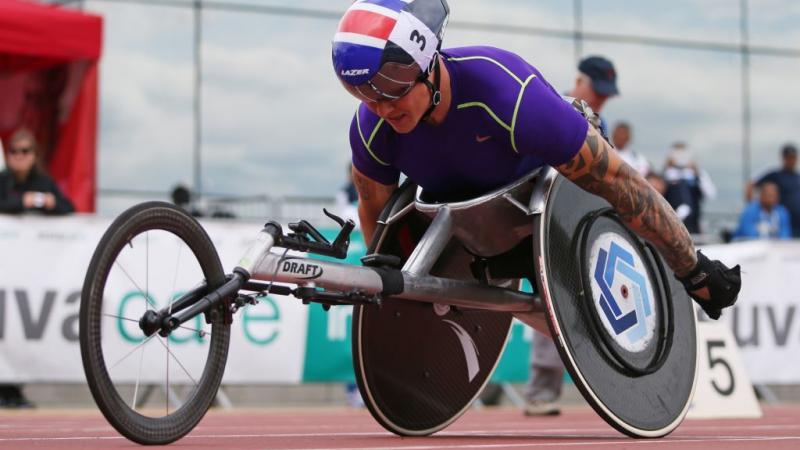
551	444
208	432
586	440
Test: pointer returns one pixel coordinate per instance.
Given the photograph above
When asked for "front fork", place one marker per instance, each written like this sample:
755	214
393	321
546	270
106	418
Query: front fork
189	305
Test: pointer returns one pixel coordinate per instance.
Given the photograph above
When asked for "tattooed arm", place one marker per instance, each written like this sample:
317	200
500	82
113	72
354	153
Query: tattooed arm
371	198
597	168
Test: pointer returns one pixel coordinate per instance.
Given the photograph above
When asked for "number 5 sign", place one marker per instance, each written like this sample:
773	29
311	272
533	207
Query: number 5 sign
723	388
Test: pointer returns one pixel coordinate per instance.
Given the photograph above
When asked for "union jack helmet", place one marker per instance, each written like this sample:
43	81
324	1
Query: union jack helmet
383	47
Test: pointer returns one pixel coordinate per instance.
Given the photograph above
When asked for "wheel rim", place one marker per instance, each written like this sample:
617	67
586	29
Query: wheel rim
151	389
153	375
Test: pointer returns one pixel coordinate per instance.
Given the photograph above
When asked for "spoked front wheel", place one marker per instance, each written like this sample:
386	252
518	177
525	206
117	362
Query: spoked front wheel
152	389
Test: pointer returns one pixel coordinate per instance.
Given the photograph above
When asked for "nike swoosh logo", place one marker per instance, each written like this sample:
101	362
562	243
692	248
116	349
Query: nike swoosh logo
480	138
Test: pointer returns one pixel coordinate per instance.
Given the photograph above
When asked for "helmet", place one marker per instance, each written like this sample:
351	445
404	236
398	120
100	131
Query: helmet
383	47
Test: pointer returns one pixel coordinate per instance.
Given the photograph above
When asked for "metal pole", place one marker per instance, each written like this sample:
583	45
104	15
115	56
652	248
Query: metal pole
746	119
198	65
577	6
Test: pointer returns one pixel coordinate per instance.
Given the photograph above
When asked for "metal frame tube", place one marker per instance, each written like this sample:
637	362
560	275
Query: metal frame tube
466	294
422	288
205	304
312	272
432	244
258	250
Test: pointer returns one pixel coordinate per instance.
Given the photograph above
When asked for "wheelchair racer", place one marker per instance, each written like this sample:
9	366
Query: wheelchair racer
463	121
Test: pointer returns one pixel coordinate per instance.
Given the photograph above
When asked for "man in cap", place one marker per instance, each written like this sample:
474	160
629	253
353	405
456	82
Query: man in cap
788	181
595	84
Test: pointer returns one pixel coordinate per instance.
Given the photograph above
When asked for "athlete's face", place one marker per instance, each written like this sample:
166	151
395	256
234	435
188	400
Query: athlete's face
404	113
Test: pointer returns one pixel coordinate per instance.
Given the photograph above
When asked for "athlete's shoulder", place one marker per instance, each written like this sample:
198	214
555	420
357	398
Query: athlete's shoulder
365	117
480	50
489	59
370	134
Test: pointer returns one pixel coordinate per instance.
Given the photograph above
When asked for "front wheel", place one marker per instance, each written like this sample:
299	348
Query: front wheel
152	389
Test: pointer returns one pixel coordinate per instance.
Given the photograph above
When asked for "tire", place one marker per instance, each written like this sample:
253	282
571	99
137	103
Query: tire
193	364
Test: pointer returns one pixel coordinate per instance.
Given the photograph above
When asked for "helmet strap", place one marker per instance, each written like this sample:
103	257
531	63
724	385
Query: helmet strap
433	88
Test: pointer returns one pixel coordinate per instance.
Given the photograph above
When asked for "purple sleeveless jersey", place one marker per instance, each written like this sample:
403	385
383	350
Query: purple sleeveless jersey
504	121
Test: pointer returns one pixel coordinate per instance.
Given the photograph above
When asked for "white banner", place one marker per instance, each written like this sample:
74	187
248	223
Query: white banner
43	263
766	319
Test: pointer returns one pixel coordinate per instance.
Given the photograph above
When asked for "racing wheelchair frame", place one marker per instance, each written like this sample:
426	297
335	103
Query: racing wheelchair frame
433	300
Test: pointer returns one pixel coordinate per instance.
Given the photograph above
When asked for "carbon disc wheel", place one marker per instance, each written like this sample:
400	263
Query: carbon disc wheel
624	327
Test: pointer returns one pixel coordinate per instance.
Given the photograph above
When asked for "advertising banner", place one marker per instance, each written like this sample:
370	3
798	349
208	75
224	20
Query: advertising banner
43	262
766	319
42	268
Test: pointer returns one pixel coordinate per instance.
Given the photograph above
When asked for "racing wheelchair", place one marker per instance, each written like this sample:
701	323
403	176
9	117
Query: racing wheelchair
433	306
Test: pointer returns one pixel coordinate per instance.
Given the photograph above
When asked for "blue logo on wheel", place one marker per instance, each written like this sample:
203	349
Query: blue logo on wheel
618	262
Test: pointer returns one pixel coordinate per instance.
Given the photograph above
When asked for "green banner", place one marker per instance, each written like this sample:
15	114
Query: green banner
328	342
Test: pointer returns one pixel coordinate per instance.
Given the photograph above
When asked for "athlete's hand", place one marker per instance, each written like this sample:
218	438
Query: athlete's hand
713	285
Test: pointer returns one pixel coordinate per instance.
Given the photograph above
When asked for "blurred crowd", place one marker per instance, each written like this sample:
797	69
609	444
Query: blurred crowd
772	209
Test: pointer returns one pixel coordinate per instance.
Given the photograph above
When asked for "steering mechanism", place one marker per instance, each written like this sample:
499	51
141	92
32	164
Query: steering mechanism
306	238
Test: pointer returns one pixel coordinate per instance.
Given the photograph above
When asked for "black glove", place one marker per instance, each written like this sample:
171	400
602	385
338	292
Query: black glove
723	284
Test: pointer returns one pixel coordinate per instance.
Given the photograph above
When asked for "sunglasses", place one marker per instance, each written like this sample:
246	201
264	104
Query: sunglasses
21	151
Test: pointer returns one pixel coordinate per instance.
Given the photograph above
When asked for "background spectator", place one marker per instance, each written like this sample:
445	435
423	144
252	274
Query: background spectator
788	181
24	186
621	138
595	84
182	197
765	218
681	197
687	184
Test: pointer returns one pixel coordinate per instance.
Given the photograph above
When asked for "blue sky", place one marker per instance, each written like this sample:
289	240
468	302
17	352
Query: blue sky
275	120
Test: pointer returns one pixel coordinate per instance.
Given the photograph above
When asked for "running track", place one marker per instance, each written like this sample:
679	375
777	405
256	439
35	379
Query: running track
347	429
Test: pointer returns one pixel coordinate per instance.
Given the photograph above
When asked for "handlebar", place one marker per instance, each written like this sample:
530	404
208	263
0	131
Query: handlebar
306	238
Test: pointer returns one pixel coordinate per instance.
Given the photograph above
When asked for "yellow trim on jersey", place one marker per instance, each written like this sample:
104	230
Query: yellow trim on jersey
523	85
486	58
367	143
489	110
516	109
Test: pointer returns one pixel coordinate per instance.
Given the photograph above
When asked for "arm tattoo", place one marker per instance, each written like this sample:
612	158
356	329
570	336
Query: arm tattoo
363	187
599	170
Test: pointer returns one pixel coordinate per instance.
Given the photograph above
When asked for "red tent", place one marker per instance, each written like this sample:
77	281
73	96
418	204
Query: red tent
48	83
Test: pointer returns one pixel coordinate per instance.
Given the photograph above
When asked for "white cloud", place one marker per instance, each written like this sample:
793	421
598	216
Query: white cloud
146	123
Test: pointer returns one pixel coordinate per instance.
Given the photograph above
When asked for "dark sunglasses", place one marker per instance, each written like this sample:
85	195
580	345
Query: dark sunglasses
21	151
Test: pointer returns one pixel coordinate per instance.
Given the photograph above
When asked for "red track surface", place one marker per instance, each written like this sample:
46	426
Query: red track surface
340	429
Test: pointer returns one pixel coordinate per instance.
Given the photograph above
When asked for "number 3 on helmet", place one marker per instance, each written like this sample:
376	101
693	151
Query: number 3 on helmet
383	47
